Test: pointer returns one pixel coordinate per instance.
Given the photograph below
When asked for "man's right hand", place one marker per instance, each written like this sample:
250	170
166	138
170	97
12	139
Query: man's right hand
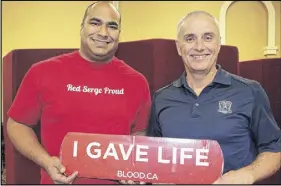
57	172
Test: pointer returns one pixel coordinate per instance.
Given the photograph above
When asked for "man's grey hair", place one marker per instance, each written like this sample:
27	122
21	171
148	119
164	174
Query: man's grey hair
196	13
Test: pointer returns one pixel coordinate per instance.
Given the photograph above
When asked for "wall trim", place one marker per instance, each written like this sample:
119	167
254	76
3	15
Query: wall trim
270	49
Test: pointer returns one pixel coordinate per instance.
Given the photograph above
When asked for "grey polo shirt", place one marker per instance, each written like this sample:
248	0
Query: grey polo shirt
232	110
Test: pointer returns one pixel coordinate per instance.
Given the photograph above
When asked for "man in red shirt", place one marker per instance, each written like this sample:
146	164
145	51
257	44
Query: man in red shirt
88	91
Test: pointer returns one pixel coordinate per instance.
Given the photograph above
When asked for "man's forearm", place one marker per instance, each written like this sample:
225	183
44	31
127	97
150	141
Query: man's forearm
26	142
265	165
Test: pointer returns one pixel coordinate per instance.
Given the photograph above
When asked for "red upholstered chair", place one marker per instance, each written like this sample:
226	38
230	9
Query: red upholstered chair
20	170
268	73
157	59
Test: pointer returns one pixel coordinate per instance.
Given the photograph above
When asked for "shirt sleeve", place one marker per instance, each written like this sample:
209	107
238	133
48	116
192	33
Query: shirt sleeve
154	129
141	120
26	107
267	134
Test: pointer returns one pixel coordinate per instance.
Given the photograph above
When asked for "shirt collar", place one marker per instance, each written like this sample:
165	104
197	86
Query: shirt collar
222	77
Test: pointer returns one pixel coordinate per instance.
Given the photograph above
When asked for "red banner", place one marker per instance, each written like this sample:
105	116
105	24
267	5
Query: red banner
141	158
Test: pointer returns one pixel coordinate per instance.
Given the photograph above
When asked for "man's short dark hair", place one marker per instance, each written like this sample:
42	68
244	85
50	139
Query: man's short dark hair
86	12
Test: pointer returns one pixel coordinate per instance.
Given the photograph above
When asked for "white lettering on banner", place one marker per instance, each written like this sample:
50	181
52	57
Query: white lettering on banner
139	153
160	160
124	154
75	148
97	151
174	155
134	175
93	151
111	151
198	162
183	156
95	91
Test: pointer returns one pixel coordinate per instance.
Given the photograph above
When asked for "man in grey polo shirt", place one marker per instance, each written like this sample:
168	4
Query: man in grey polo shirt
207	102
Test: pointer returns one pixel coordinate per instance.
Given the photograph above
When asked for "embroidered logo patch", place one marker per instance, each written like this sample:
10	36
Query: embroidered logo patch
225	107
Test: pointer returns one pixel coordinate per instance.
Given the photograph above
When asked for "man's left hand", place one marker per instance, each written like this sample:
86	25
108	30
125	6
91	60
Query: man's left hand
236	177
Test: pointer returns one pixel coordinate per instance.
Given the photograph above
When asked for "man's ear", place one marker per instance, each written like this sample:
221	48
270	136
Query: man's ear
178	47
81	28
219	45
219	48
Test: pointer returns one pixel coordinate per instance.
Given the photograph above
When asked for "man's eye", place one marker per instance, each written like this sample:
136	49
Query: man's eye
113	27
94	23
189	39
208	38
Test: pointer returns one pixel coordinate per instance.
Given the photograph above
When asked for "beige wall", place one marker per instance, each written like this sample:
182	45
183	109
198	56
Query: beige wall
43	24
246	22
159	19
56	24
249	34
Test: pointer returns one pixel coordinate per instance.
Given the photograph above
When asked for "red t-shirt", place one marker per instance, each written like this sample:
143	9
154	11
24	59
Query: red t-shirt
70	94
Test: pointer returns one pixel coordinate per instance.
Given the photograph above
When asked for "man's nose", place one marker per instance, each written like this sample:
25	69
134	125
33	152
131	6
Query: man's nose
103	31
199	45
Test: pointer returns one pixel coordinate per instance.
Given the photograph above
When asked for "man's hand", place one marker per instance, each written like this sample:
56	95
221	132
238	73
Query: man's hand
125	182
236	177
57	172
